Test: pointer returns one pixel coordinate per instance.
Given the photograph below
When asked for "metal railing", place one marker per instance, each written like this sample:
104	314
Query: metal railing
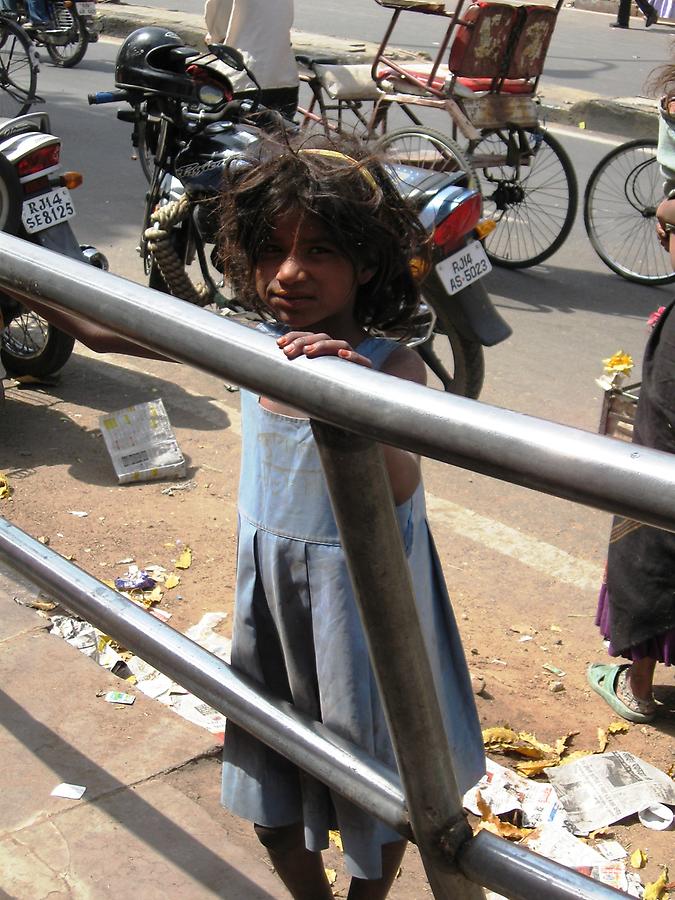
556	459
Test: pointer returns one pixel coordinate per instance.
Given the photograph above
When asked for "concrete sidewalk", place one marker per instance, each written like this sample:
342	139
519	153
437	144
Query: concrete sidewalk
625	116
149	824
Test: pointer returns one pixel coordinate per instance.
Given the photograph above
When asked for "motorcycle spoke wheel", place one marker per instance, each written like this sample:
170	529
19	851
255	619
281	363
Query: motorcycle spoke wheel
620	213
18	70
455	364
533	201
30	346
71	53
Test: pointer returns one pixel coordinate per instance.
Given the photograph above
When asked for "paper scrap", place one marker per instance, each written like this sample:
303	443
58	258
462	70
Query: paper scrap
68	791
119	697
184	561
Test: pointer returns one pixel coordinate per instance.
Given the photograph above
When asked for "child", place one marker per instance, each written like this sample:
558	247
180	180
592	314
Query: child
321	244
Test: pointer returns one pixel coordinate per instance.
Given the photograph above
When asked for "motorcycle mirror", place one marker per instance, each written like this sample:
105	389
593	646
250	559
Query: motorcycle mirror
229	55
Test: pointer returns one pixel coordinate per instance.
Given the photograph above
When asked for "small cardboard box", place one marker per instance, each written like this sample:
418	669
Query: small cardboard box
141	444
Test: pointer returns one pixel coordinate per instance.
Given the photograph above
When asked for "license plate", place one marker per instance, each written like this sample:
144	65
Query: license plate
464	267
86	9
46	210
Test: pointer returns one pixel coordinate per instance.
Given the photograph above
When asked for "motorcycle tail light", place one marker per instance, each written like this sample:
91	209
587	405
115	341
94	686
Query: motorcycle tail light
38	160
71	180
460	221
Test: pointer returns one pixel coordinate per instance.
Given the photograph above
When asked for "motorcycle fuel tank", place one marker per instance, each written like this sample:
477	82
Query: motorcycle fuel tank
201	164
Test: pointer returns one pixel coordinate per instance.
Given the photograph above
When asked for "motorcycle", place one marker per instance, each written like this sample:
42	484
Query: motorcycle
36	205
72	27
187	123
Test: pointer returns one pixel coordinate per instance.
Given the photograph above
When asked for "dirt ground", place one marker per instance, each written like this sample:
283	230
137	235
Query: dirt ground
53	455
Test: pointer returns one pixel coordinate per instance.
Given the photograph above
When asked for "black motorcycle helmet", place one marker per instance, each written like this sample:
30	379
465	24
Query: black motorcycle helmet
153	59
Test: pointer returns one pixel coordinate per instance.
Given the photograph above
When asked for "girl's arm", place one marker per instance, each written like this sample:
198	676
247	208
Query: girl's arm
96	337
665	227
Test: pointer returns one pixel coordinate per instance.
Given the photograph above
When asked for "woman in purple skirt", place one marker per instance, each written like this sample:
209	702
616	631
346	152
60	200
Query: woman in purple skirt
636	610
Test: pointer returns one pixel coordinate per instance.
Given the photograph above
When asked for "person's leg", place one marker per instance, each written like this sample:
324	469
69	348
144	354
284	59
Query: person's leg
300	869
37	11
641	678
623	15
648	12
392	854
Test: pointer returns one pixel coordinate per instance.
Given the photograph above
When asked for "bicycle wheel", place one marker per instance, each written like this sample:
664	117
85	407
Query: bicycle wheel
68	21
620	204
18	70
425	149
529	189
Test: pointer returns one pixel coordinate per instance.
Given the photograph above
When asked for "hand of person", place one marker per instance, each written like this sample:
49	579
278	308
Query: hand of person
665	222
306	343
207	39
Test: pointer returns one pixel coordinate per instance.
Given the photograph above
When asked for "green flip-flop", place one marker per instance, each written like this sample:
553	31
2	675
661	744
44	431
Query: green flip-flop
603	679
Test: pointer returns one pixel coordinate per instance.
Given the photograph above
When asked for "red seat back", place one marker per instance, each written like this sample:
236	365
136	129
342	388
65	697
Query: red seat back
528	52
482	39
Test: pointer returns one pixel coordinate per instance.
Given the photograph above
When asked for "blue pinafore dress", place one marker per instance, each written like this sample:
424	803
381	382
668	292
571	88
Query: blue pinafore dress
297	631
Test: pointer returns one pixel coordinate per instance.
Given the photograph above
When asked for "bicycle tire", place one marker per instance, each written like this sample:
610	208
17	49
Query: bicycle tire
18	70
426	149
72	53
535	211
620	203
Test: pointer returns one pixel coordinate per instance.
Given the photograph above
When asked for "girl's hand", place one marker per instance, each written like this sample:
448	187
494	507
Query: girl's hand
306	343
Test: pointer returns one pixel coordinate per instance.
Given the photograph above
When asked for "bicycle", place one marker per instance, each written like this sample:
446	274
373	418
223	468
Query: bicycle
620	213
19	68
525	175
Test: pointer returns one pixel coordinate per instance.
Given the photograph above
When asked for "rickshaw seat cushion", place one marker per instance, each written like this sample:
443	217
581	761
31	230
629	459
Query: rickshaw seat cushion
483	38
507	86
351	82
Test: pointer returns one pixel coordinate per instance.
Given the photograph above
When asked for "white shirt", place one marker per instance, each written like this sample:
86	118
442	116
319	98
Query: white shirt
261	31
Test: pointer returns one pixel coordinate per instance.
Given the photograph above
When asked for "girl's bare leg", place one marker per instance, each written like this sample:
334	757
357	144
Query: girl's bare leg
392	854
300	869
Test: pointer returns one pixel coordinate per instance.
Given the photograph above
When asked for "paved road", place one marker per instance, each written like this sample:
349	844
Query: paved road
585	54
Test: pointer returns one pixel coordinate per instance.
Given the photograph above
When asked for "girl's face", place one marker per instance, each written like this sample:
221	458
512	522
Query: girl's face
305	280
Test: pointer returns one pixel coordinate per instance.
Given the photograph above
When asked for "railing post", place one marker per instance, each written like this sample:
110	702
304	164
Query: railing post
362	502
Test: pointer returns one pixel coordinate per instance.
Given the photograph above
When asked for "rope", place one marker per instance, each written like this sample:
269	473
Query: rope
160	246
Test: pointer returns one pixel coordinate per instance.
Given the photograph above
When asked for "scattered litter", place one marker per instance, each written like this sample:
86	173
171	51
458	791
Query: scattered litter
611	850
119	697
554	670
135	579
335	838
125	562
36	603
79	513
555	842
525	638
556	687
657	817
141	443
504	791
176	488
171	581
68	791
498	662
331	875
656	890
5	489
77	633
204	634
490	822
184	561
603	788
638	859
477	683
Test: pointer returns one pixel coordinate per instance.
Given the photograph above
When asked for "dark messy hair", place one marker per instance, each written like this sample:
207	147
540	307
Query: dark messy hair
661	80
355	199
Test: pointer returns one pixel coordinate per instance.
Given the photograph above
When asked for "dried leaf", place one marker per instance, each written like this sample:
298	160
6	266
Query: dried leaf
530	769
602	740
5	489
498	734
562	744
331	875
638	859
184	561
578	754
655	890
336	838
545	749
171	581
618	728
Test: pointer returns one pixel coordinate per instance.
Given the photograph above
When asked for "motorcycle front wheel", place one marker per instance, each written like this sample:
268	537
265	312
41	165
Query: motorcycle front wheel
31	346
68	20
